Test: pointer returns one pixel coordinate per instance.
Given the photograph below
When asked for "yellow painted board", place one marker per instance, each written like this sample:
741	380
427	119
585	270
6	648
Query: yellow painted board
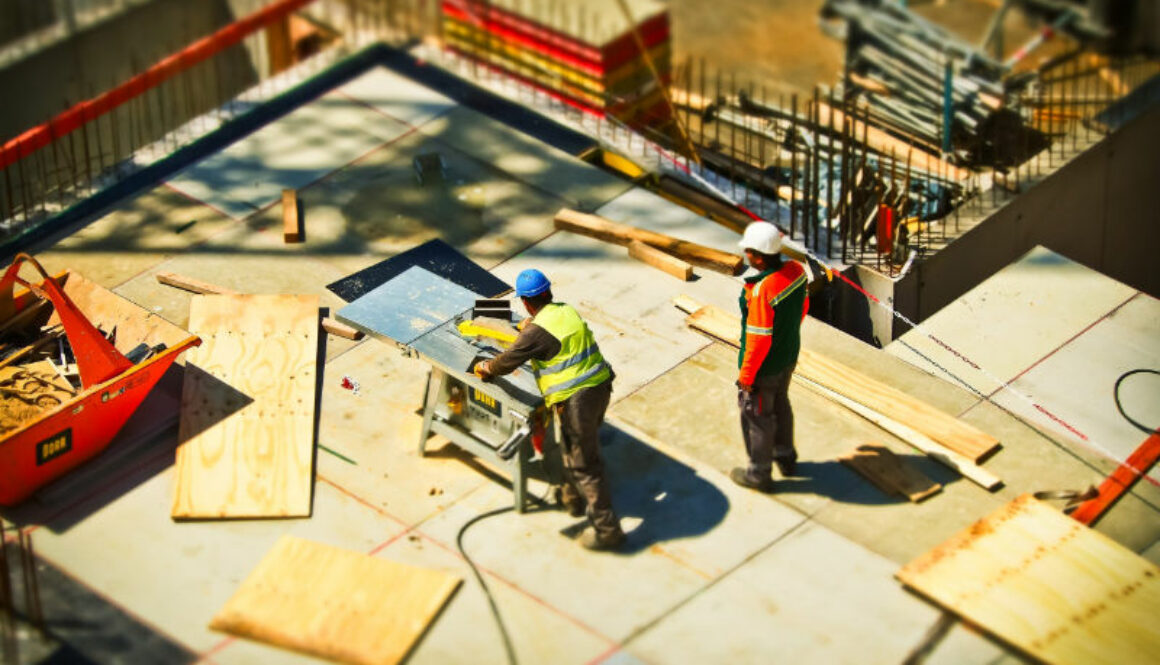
335	603
246	438
1048	585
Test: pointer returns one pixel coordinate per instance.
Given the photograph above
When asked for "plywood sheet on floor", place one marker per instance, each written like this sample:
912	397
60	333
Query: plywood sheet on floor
1012	320
397	96
246	437
288	153
1048	584
575	182
1078	382
335	603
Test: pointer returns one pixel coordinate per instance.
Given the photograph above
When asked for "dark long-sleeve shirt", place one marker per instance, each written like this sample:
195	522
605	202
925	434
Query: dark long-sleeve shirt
533	342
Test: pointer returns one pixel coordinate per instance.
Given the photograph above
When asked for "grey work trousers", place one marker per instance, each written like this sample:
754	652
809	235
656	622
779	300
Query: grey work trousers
580	418
767	423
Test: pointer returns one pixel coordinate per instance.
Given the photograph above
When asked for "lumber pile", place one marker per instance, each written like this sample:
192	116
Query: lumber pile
600	228
582	53
1056	589
939	435
890	473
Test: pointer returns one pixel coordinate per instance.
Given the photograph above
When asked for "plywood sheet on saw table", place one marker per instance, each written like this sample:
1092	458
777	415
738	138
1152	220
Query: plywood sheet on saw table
1012	320
1047	584
246	438
289	153
336	604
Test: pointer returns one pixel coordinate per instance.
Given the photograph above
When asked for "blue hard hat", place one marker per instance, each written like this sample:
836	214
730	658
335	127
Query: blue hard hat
531	282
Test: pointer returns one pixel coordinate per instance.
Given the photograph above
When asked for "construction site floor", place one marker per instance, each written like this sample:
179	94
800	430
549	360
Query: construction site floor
712	572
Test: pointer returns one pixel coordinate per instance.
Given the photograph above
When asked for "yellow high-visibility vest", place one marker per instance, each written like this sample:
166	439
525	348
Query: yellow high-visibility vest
579	363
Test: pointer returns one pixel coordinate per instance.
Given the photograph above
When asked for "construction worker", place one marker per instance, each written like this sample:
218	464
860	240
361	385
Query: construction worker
773	304
576	383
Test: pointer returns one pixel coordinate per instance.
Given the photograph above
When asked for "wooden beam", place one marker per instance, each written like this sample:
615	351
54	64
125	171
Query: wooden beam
890	473
192	285
1122	479
659	260
621	234
291	227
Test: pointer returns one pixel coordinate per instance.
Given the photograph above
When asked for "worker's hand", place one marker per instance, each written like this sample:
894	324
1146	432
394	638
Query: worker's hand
523	323
482	370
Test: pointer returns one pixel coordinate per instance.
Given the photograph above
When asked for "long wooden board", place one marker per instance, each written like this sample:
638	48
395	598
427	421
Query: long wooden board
246	436
1046	584
890	473
659	260
877	396
335	604
621	234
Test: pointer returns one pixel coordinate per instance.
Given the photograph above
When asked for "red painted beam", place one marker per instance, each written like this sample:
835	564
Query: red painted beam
1122	479
38	137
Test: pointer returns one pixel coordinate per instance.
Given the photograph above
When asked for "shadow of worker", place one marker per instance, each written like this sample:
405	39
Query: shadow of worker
667	497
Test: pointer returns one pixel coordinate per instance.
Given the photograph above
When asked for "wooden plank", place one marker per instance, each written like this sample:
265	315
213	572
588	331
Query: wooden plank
336	604
659	260
890	473
329	324
918	415
1122	479
1046	584
291	223
246	437
621	234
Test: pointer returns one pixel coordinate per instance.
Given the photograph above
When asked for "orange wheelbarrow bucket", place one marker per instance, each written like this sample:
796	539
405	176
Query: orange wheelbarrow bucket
62	436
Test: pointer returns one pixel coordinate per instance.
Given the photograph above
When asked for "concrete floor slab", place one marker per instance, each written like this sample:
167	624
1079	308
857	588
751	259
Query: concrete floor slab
612	594
181	574
138	234
642	208
574	182
288	153
397	96
810	596
1007	323
377	429
1077	382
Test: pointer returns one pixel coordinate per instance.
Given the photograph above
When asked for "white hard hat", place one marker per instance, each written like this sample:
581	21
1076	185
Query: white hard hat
761	237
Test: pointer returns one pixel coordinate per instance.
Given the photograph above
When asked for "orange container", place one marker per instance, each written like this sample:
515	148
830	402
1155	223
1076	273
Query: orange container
65	436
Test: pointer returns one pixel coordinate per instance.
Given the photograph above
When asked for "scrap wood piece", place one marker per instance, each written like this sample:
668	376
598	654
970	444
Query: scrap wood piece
600	228
1047	584
659	260
335	603
197	286
949	458
890	473
246	434
291	222
942	427
1138	464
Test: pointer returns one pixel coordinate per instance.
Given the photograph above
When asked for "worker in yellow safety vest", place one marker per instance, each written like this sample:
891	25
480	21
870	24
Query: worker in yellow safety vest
576	382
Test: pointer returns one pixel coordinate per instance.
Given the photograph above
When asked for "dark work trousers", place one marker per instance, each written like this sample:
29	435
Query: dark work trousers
767	423
580	418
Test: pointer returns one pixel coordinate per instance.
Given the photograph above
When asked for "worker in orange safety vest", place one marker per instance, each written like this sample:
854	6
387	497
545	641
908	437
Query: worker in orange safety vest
774	303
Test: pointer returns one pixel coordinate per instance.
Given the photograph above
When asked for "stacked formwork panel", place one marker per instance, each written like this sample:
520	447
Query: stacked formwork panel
583	53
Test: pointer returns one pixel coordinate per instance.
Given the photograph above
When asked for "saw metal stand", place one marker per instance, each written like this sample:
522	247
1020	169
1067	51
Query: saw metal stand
517	464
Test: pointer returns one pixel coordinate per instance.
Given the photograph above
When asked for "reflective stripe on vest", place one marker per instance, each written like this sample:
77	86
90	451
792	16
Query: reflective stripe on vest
578	365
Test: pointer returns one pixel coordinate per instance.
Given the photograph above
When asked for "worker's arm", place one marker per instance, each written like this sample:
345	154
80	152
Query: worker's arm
758	335
533	342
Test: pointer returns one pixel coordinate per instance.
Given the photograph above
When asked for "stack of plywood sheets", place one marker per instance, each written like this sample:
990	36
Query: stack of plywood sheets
336	604
246	438
583	53
1048	585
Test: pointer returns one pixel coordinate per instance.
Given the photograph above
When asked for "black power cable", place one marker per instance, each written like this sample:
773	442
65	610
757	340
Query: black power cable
1120	408
507	642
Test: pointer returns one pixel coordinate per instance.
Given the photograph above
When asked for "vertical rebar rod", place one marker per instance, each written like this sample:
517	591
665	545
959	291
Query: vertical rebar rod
793	170
830	178
32	608
817	158
733	140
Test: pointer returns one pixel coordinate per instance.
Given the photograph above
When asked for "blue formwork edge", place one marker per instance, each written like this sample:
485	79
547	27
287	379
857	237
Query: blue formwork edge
345	70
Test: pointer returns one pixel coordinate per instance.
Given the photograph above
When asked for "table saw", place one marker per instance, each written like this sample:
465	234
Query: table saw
493	420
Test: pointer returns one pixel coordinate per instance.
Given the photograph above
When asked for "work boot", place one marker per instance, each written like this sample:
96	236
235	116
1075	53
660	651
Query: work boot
570	500
742	478
591	540
787	467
